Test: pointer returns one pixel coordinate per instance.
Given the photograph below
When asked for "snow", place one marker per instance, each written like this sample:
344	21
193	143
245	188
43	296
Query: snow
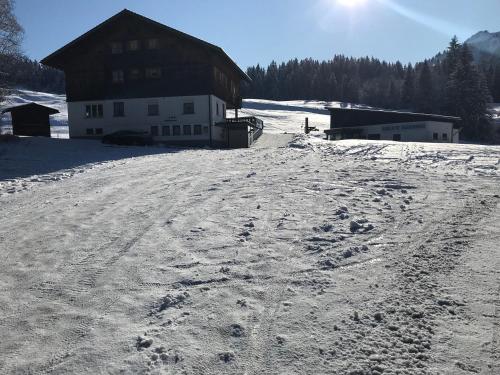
289	116
296	256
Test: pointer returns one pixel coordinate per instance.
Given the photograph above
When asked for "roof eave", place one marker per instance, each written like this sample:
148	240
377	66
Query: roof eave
443	117
50	111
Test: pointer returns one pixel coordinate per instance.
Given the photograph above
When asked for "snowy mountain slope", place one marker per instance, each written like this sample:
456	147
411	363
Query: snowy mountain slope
485	43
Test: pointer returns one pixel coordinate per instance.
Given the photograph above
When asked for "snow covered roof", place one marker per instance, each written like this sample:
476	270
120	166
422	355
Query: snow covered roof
50	111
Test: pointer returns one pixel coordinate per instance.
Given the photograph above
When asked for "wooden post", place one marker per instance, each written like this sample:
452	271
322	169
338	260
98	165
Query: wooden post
307	125
236	113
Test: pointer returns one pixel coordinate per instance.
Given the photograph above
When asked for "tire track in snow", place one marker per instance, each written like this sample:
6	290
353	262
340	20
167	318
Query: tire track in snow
415	296
84	326
85	294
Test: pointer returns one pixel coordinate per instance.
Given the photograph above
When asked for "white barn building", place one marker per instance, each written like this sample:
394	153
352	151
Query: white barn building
355	123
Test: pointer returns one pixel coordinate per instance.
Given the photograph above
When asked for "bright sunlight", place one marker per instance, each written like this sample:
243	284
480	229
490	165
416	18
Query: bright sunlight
351	3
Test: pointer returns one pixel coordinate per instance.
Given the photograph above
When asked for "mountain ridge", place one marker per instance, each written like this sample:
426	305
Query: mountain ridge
484	44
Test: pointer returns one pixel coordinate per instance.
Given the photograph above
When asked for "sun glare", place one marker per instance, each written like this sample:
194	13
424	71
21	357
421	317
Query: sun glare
351	3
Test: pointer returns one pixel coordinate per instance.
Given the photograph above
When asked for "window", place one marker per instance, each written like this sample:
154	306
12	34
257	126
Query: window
189	108
118	76
135	74
445	136
197	130
116	48
186	129
98	131
435	136
154	131
153	73
153	109
165	131
153	43
119	109
90	131
133	45
217	109
396	137
233	88
176	130
94	111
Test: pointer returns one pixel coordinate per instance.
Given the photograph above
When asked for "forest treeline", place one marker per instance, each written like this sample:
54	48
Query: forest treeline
451	83
22	72
17	70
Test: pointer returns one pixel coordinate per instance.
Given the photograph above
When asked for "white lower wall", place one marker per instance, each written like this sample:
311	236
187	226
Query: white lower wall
171	113
218	116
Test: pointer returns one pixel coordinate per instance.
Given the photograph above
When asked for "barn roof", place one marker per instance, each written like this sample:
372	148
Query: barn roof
365	116
51	60
50	111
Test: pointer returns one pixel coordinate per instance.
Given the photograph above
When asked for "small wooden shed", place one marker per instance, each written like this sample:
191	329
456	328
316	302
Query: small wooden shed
31	119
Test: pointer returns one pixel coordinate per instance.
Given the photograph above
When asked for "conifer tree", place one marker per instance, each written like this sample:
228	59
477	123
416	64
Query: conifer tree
495	86
11	35
468	96
452	56
425	90
408	92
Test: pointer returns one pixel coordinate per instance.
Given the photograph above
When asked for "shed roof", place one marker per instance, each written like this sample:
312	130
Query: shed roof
52	59
24	107
353	117
396	114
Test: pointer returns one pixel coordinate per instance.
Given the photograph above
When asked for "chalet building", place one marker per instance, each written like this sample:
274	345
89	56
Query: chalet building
132	73
356	123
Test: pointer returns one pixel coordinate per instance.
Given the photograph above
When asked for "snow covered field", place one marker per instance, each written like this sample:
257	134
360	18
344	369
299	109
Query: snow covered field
297	256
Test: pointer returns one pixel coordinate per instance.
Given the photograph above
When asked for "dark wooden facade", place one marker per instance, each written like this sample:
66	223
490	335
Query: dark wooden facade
354	117
31	119
116	60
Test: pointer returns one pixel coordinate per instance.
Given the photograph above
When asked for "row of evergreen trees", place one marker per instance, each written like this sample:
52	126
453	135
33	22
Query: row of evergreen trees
16	70
452	83
449	84
20	71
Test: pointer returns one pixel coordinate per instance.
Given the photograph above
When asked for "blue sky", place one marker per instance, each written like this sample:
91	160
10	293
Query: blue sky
259	31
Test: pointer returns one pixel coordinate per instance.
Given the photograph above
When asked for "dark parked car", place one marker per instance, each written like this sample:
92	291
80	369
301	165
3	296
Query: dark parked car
128	138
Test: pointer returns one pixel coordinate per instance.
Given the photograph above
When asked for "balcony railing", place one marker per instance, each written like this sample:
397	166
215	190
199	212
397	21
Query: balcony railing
254	121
